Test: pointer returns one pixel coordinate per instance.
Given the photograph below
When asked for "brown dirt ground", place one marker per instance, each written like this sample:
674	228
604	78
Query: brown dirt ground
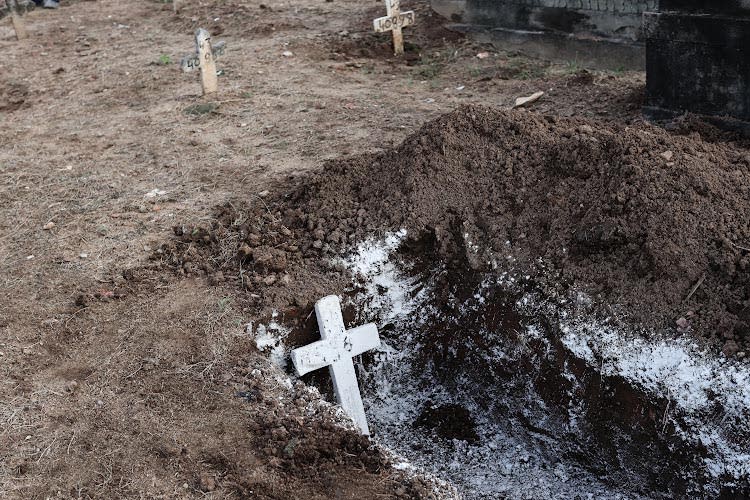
115	385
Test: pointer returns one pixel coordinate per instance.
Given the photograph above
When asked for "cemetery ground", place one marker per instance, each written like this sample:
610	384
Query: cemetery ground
130	204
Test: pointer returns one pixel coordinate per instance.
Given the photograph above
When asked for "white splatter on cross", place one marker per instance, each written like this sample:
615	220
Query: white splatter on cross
394	21
336	350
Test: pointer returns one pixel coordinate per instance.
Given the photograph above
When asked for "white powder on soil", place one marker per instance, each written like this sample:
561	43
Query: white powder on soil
502	464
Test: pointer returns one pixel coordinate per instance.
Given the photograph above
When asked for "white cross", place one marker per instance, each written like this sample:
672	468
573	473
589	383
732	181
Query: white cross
394	21
336	350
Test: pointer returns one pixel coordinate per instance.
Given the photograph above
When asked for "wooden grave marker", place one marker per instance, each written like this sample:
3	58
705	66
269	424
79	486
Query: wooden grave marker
204	59
15	10
394	22
336	350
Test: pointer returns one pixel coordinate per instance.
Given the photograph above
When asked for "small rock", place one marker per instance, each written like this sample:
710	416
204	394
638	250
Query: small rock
216	278
523	101
730	348
667	155
270	258
254	240
206	482
335	236
48	226
588	129
154	193
245	251
682	323
269	280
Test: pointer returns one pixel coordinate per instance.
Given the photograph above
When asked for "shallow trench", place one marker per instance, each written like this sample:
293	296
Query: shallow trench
490	385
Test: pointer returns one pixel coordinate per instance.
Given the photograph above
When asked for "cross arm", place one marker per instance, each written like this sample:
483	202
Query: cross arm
314	356
192	62
362	339
328	351
388	23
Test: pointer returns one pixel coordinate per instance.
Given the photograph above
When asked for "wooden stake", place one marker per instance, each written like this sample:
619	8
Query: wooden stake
394	21
18	23
208	65
398	37
176	5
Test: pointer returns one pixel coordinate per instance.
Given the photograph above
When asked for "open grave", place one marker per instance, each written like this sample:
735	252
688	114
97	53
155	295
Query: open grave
563	303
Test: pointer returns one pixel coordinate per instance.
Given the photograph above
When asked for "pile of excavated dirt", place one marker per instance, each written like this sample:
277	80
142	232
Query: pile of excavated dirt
653	225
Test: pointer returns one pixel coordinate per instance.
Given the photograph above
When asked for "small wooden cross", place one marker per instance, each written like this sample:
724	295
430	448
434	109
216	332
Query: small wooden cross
394	21
205	59
18	23
192	62
336	350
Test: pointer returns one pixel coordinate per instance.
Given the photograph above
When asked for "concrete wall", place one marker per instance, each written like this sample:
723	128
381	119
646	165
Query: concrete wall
729	7
699	61
619	19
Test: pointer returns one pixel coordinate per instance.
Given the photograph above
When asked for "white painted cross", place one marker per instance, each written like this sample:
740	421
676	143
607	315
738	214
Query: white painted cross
205	59
394	21
336	350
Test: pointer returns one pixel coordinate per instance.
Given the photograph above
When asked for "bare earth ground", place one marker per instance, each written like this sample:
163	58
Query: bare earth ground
115	390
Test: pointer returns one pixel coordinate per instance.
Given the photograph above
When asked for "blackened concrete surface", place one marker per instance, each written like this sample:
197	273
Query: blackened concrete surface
698	63
605	34
706	6
619	19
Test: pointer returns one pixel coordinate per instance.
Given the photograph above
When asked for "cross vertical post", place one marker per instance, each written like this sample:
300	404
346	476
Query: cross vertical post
18	23
393	9
209	81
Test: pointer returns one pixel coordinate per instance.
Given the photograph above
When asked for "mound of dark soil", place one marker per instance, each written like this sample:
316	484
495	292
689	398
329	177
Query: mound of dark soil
640	218
653	225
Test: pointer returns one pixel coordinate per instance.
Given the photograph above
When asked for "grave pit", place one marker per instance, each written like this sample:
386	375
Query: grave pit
489	381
